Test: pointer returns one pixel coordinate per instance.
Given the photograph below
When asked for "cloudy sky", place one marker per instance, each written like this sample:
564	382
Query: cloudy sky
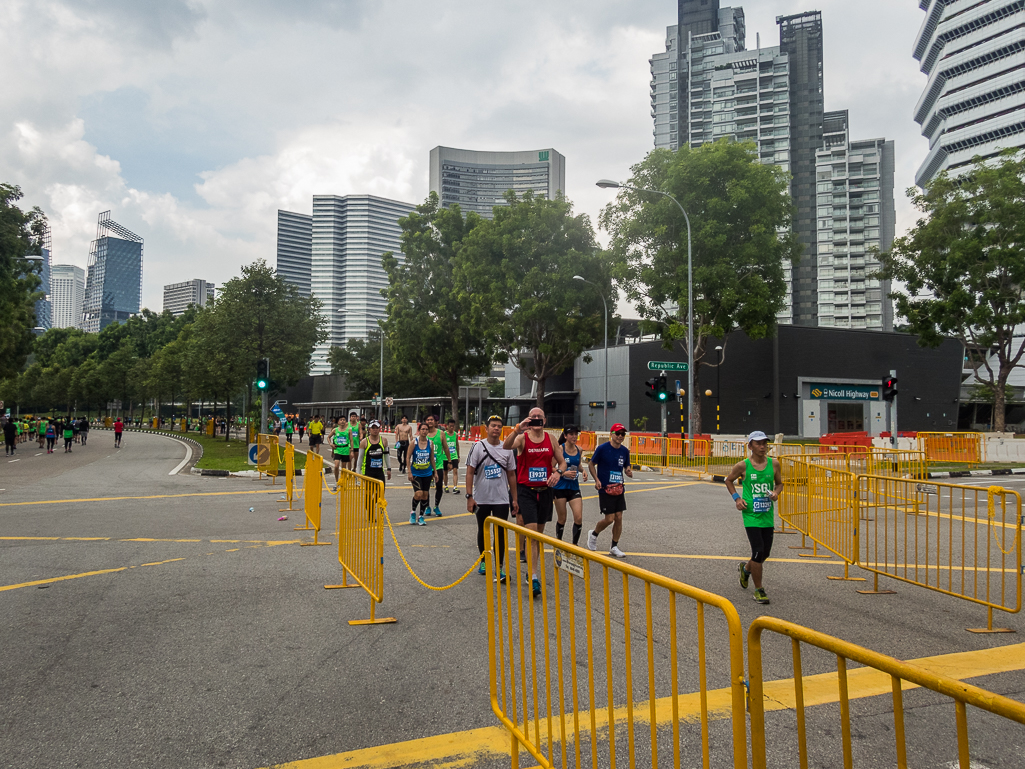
195	120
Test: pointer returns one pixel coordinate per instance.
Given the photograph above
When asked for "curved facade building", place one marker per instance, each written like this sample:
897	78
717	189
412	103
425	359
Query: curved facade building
974	101
478	180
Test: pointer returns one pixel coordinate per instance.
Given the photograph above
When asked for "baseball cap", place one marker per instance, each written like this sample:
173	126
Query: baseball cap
374	423
757	435
617	427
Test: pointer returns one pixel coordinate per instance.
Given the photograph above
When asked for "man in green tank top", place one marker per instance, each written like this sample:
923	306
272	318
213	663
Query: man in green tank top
760	489
452	465
435	436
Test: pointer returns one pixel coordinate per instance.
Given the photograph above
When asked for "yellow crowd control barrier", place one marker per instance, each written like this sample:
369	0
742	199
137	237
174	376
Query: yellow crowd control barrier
677	455
361	517
818	500
313	493
267	458
959	448
963	541
903	676
604	666
896	463
289	478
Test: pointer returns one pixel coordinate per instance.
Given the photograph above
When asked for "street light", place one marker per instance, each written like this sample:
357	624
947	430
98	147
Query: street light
718	391
605	404
380	387
608	183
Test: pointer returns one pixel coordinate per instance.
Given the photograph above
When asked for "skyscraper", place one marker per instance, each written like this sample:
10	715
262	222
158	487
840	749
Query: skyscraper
295	249
350	233
43	308
974	100
113	286
478	180
67	287
178	297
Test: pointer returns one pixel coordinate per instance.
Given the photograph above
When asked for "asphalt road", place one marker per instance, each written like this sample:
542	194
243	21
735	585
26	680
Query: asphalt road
195	632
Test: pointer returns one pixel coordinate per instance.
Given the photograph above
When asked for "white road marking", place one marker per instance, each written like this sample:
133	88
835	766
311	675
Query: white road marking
188	456
14	460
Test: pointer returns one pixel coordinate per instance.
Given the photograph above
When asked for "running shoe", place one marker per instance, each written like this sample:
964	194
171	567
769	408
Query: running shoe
500	577
455	489
523	556
535	585
421	520
760	596
744	574
437	512
615	552
483	568
446	489
592	541
412	519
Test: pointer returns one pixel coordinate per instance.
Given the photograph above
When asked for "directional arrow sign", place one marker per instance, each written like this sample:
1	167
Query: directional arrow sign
661	365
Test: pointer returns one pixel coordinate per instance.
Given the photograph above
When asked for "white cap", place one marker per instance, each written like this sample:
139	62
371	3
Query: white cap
757	435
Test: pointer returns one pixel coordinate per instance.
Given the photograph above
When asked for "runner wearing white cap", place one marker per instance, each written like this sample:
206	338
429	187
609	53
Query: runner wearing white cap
761	487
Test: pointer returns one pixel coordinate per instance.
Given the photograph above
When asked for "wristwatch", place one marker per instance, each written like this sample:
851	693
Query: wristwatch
469	496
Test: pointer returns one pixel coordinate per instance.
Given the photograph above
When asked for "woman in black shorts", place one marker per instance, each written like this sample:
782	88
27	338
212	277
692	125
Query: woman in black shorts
567	490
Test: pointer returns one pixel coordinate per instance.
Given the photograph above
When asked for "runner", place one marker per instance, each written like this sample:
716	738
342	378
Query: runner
302	430
83	430
374	461
612	460
316	433
567	490
403	435
357	431
289	429
493	489
41	431
69	435
762	485
341	447
420	464
10	436
452	463
440	457
119	427
539	466
51	436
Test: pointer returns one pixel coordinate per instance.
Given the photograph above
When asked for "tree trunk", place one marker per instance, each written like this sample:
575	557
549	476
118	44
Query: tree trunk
540	402
227	420
999	401
695	417
454	394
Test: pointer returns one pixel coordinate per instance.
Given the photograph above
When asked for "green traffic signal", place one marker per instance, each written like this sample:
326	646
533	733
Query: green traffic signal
261	384
663	395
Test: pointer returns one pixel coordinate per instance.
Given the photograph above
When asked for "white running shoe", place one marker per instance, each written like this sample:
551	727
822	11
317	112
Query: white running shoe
592	541
615	552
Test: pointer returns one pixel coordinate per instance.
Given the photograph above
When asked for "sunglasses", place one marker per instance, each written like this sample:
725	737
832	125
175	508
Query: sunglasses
620	433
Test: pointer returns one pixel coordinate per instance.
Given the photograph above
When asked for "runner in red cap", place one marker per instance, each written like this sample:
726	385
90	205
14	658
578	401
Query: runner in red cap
608	464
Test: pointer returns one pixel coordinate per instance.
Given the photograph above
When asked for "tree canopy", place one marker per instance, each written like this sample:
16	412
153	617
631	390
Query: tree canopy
20	235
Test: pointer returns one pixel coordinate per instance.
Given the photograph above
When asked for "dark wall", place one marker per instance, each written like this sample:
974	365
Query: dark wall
643	406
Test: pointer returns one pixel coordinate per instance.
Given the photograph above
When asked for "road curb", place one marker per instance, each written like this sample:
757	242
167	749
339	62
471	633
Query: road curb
978	473
197	447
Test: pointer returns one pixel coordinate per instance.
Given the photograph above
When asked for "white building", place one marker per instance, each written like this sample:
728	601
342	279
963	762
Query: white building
974	100
178	297
67	295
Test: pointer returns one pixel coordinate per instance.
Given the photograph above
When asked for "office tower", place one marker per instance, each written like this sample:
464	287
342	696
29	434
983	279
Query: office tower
478	180
350	233
113	284
43	308
67	286
178	297
295	249
856	217
974	99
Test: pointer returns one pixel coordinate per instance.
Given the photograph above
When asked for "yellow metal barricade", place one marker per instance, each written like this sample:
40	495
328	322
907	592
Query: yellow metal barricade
686	456
313	492
611	665
361	518
785	449
956	448
963	541
896	463
267	457
289	478
893	675
725	454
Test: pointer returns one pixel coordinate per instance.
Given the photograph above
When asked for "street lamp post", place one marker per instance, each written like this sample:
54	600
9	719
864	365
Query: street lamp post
718	391
380	386
608	183
605	399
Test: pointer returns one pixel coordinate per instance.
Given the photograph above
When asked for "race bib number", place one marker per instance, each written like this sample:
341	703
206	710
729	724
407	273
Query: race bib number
537	474
492	472
615	476
376	462
342	441
762	504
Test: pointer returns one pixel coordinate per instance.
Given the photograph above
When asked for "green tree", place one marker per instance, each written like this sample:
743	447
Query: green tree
20	234
963	268
515	273
426	326
740	214
359	361
117	376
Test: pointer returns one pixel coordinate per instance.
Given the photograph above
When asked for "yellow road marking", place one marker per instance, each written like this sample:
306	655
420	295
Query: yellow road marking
159	563
474	745
60	579
154	496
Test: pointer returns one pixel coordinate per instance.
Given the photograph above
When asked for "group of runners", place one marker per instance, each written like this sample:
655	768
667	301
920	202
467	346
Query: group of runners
46	431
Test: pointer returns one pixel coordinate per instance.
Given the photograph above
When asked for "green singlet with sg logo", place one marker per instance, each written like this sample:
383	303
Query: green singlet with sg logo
758	484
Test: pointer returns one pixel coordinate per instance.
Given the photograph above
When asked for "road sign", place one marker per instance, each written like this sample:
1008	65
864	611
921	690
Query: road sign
601	404
661	365
389	401
254	449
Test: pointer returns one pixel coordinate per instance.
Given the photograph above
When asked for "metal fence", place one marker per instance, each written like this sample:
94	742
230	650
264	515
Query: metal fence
956	448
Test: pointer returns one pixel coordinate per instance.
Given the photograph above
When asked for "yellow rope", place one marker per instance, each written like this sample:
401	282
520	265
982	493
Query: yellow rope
991	511
469	571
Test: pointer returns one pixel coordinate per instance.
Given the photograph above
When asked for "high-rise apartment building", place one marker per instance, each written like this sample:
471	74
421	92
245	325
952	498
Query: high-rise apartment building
295	249
67	293
113	286
477	181
43	306
856	220
178	297
974	100
350	234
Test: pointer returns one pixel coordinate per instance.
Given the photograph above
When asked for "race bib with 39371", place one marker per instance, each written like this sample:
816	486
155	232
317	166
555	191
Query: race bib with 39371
537	474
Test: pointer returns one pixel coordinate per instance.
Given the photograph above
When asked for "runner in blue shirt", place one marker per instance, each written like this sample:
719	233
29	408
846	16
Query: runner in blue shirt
567	490
608	464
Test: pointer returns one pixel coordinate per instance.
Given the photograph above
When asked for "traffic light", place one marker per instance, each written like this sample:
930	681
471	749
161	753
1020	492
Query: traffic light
262	373
889	388
662	391
651	390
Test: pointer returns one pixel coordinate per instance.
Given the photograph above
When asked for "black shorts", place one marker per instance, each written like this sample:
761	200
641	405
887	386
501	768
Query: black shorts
316	440
452	464
422	483
535	504
610	504
760	538
566	494
339	457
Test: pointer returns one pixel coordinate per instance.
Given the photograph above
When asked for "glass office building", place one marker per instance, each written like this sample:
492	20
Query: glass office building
350	234
67	287
178	297
477	181
113	288
295	249
43	307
